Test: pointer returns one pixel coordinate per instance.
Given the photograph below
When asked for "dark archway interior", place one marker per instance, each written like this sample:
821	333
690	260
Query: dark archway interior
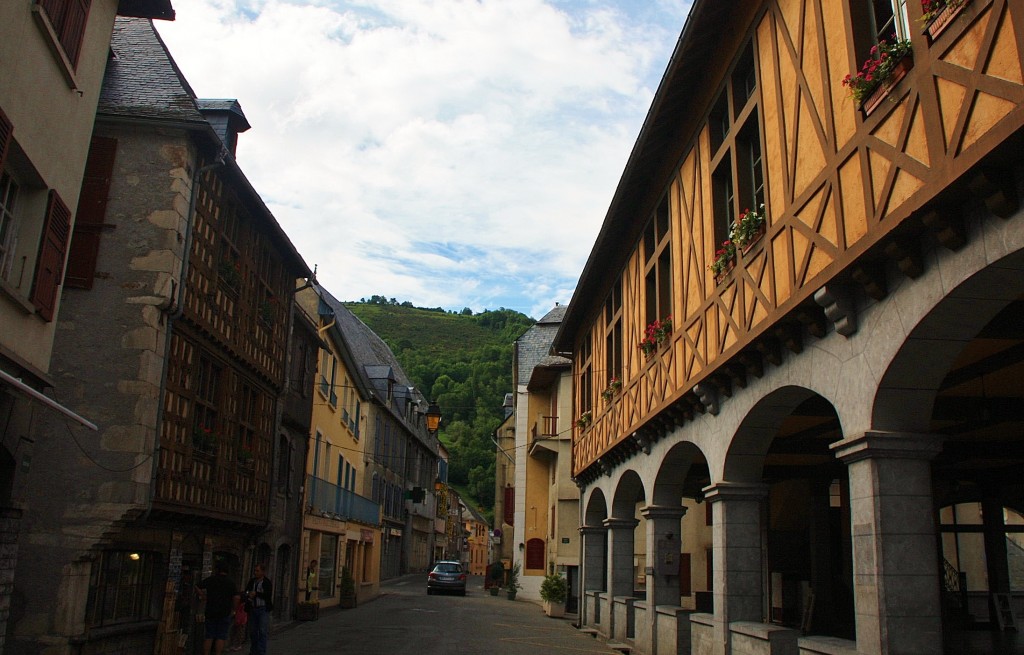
810	569
979	480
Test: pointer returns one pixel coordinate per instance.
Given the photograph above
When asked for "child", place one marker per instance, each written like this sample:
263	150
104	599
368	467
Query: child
238	625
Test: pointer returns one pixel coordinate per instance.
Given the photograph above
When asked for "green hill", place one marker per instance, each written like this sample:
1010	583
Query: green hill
464	362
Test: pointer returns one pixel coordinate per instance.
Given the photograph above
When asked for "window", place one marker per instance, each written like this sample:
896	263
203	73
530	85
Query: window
658	265
207	386
613	333
535	553
878	20
121	588
584	401
738	181
8	223
68	19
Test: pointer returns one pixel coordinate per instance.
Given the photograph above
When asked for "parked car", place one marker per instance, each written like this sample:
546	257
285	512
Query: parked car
447	576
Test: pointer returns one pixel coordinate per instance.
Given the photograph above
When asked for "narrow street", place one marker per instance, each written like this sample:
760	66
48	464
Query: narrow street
404	619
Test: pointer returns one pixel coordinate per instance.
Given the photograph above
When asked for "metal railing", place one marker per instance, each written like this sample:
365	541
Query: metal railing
323	496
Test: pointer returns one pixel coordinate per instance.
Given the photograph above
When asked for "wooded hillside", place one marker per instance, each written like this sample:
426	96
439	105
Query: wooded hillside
464	362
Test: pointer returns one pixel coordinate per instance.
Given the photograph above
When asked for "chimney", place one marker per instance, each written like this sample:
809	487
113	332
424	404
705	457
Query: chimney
227	120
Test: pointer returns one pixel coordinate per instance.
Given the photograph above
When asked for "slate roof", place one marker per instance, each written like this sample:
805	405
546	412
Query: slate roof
142	80
534	347
374	362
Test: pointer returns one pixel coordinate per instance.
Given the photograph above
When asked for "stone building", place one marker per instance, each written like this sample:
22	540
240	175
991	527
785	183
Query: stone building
52	58
174	337
813	304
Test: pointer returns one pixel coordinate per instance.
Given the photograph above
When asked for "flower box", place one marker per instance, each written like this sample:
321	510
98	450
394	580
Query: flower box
881	92
943	17
754	239
726	268
655	335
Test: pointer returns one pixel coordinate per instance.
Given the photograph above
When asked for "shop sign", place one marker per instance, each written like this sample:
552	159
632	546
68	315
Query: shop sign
367	536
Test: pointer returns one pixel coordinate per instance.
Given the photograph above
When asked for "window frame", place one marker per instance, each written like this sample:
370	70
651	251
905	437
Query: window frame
144	591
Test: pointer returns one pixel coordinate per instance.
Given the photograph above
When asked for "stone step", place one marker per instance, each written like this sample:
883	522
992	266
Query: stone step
622	648
589	631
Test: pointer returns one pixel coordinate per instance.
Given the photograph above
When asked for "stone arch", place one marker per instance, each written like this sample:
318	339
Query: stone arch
683	473
596	508
753	439
906	393
628	492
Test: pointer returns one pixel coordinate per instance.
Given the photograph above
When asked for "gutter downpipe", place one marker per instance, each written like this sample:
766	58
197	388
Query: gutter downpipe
176	310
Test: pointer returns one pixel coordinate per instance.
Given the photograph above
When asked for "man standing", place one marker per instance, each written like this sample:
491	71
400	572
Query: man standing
217	591
260	592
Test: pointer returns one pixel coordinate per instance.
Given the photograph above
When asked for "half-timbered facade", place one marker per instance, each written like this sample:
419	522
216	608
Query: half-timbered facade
173	335
812	302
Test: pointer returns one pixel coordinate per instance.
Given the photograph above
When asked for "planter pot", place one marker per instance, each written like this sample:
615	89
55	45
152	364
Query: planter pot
554	610
307	611
731	264
755	238
346	602
941	21
511	594
881	92
494	591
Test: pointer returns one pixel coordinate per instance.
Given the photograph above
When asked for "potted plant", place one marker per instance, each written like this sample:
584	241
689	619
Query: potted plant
614	386
512	585
748	228
725	259
886	65
346	589
204	440
937	14
495	576
553	591
584	421
230	272
655	335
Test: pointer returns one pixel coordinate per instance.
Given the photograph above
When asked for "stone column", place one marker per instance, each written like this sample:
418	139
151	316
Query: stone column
663	527
620	563
594	567
736	510
895	565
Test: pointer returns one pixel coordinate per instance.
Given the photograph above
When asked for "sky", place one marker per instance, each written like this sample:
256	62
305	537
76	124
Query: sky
450	153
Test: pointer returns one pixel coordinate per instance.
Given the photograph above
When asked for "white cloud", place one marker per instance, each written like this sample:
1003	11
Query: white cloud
452	152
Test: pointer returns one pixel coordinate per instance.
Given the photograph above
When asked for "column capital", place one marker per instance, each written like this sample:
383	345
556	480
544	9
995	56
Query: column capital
592	529
662	512
616	524
735	491
887	445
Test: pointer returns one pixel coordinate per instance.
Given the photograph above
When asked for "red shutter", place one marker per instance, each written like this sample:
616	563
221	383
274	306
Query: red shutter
50	264
510	505
92	208
68	18
535	554
6	130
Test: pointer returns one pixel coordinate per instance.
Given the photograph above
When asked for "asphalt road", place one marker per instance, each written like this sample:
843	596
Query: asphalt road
404	620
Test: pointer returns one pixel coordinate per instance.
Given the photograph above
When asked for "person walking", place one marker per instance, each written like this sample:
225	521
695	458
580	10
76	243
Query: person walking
260	592
218	592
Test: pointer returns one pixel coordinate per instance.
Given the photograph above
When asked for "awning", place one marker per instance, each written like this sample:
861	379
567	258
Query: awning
46	400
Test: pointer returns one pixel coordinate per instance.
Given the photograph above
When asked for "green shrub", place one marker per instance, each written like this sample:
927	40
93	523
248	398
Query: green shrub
554	589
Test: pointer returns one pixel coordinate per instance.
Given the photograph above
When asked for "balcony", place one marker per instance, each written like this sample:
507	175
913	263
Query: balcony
544	430
326	498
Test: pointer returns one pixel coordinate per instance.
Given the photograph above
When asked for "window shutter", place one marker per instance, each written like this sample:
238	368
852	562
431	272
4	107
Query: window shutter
6	130
535	554
68	18
51	256
92	209
510	505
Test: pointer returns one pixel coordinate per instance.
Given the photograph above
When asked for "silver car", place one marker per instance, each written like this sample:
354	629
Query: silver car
447	576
